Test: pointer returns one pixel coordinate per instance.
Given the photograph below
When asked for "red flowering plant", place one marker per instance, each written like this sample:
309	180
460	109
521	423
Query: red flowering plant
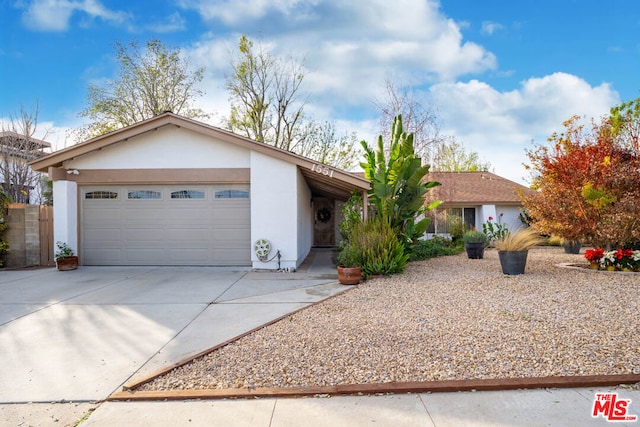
624	259
621	259
594	255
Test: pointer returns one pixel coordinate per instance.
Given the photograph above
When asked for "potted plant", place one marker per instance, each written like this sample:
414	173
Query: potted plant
349	272
513	249
65	258
474	243
571	246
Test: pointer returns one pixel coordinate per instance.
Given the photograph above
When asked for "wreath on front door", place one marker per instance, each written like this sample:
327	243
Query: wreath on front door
323	215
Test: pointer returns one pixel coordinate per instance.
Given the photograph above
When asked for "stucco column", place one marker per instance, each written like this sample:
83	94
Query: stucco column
65	213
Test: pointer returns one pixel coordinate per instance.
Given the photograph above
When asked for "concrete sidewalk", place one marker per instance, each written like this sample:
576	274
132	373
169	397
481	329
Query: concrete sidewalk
556	407
70	339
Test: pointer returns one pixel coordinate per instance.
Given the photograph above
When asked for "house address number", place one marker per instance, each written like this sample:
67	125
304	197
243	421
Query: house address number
323	169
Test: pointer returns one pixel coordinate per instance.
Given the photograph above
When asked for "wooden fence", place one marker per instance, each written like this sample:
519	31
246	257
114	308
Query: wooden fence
30	236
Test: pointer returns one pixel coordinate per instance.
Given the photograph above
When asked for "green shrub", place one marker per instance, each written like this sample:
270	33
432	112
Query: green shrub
457	228
351	215
435	247
381	251
349	256
475	237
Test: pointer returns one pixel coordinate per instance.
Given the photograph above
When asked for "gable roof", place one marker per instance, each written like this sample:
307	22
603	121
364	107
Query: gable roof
323	180
475	188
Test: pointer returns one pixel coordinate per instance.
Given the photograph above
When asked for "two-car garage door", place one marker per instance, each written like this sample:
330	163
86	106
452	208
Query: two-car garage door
166	225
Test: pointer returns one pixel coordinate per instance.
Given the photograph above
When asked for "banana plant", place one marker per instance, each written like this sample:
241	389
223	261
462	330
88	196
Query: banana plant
398	188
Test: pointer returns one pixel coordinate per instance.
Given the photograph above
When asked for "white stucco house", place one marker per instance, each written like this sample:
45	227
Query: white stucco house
475	198
174	191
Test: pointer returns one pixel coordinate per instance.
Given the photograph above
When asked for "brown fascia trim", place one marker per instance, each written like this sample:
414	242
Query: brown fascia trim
153	176
56	159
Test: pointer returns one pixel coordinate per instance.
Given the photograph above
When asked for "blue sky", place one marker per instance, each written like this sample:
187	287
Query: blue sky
498	74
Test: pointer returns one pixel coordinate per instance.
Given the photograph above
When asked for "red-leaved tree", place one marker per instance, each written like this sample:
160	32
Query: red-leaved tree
588	186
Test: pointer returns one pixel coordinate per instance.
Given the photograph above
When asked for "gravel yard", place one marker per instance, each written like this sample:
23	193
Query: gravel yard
448	318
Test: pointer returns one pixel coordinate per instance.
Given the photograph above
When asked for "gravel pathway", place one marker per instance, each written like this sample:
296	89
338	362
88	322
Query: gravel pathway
443	319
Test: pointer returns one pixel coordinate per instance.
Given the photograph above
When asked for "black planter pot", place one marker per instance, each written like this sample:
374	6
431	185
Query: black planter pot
474	250
572	246
513	262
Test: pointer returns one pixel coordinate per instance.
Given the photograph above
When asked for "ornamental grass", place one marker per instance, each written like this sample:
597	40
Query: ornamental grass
521	240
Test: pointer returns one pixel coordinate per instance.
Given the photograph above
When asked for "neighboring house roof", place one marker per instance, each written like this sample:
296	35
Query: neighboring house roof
323	180
474	188
14	144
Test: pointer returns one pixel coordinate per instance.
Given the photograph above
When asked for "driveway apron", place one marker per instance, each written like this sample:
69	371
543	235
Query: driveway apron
80	335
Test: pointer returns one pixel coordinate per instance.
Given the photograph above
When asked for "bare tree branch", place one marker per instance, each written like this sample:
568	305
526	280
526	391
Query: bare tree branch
18	147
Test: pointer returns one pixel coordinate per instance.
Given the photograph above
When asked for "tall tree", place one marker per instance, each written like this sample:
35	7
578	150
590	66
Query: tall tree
267	105
418	118
151	80
266	100
625	124
325	146
453	156
18	147
588	184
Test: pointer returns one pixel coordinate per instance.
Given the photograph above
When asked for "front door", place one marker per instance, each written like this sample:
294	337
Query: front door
324	228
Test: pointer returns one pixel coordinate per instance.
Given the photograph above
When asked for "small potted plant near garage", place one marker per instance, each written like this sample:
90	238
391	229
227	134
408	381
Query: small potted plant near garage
349	272
65	257
513	249
474	243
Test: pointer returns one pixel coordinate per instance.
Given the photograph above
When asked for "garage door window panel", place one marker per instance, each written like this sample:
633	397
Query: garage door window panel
232	194
144	195
188	194
101	195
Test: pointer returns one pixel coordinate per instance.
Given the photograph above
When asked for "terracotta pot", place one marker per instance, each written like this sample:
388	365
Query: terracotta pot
68	263
349	275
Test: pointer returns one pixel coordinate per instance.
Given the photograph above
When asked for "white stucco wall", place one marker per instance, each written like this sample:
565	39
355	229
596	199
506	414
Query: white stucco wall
169	147
507	215
510	217
305	219
274	206
65	212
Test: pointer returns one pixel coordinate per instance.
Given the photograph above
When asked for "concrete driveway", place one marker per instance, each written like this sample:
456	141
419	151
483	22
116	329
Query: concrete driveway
80	335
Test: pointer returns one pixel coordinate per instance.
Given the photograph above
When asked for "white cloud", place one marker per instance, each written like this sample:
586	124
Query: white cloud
232	12
501	125
349	48
489	28
172	23
55	15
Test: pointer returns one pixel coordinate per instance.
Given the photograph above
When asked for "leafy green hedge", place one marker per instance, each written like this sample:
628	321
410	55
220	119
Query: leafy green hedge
435	247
